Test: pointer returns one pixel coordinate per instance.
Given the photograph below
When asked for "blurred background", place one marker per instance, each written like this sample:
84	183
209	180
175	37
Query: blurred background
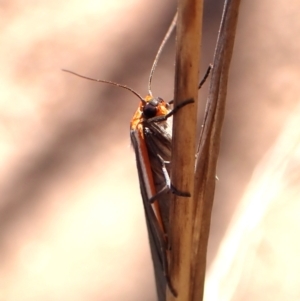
71	218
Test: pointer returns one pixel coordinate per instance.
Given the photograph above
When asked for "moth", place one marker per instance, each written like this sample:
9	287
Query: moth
151	138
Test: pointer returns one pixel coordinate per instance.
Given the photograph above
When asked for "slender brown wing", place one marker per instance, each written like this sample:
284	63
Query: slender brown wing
156	236
158	141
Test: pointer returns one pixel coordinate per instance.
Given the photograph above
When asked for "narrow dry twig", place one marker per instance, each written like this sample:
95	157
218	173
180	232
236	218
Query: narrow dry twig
190	219
183	147
209	146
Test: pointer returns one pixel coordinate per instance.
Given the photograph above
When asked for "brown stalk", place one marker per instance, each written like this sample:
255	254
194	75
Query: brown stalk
183	152
209	145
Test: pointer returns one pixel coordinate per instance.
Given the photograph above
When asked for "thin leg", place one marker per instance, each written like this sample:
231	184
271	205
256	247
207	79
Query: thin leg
205	76
168	186
201	83
172	112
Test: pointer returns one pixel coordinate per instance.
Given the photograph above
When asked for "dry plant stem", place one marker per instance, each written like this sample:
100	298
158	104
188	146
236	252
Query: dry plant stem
183	147
209	146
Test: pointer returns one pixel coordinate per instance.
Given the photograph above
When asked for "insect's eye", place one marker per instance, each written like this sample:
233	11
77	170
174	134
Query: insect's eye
150	109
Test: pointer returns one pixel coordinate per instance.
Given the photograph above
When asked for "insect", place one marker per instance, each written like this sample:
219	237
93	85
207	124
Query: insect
151	138
150	132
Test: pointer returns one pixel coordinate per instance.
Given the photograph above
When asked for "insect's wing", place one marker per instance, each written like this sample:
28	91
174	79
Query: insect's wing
158	140
156	239
157	247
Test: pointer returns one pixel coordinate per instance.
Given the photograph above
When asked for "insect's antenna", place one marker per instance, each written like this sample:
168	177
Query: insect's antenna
107	82
170	30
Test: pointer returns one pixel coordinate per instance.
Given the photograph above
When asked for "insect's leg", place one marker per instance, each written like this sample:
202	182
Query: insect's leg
170	286
168	186
164	170
172	112
179	193
158	194
205	76
203	80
